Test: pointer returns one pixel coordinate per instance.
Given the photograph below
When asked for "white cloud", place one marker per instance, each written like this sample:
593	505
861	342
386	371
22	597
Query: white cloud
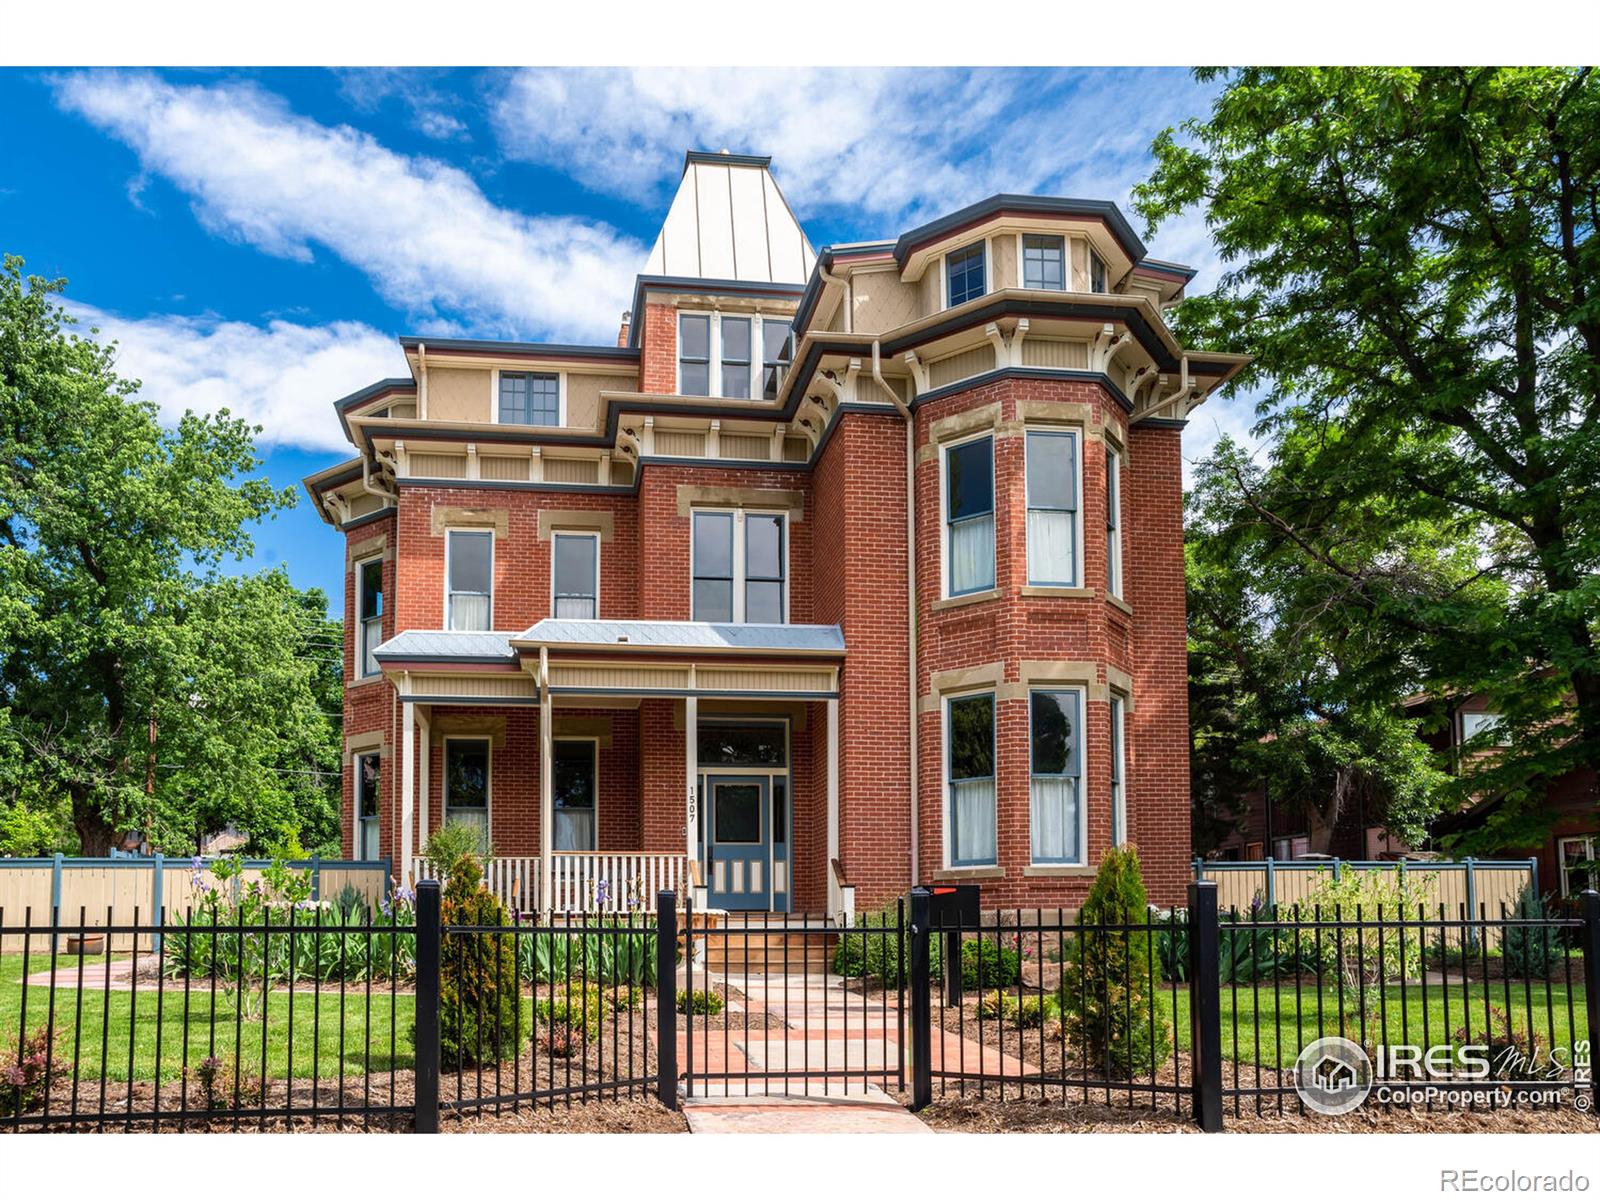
421	230
890	146
281	376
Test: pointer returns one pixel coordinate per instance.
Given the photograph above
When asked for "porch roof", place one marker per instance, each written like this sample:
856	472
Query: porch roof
447	646
681	637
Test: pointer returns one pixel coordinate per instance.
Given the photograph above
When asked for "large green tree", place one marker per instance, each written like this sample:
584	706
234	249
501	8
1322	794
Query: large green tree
139	687
1411	259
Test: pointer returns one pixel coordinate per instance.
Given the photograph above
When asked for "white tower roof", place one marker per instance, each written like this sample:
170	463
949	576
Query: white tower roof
730	221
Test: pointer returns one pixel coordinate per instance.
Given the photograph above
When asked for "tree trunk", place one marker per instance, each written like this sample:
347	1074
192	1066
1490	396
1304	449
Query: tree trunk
95	834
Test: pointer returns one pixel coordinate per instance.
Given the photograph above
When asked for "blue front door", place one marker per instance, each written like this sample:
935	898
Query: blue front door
738	845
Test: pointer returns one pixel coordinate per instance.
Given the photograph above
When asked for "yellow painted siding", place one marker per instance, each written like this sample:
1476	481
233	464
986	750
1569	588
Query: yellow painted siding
680	443
1061	355
439	466
571	470
457	394
961	366
491	466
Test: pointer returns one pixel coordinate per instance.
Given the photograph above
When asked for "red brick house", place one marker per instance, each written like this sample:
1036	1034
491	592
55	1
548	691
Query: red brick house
836	572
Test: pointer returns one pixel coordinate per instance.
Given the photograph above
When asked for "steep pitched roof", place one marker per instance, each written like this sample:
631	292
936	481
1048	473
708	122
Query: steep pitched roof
729	220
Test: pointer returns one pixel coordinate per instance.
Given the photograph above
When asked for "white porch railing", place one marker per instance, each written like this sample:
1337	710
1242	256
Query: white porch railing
601	882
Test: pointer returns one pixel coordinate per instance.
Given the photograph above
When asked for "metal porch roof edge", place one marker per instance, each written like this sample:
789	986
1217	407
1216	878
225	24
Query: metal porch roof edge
444	646
810	640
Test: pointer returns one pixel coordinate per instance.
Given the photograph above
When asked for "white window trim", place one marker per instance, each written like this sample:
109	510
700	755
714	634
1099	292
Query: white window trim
1045	685
488	780
1114	548
758	351
988	269
1118	762
946	813
1587	840
594	750
1499	739
355	803
360	671
944	511
450	530
1066	262
561	393
739	515
1076	433
572	533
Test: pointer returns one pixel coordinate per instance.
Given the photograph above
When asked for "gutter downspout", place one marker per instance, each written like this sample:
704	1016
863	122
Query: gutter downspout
830	278
911	591
370	487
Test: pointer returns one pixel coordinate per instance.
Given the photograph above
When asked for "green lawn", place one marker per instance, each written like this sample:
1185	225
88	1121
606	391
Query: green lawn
1280	1030
317	1026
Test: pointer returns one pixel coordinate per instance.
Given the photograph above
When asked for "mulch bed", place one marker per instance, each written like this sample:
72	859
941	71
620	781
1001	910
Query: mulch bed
740	1011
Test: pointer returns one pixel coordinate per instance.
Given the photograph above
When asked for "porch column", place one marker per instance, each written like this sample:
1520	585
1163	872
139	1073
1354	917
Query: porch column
691	771
833	783
546	785
425	727
408	785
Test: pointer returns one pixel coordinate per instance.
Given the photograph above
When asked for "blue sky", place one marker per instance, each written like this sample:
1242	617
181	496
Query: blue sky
256	239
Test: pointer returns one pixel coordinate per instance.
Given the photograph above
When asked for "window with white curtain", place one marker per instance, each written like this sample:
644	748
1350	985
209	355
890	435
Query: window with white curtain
969	516
1119	803
369	632
368	774
1052	486
1055	739
575	576
1113	522
469	568
572	794
969	776
466	784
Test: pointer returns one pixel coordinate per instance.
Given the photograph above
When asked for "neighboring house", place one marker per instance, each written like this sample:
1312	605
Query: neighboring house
643	612
1566	857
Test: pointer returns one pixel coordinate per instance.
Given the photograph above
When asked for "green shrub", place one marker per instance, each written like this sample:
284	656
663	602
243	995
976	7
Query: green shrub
1109	1001
221	1086
478	991
350	906
885	957
1365	965
580	1009
986	964
452	842
699	1003
1526	951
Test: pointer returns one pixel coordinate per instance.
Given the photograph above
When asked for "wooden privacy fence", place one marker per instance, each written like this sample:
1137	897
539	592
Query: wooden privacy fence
153	886
1466	886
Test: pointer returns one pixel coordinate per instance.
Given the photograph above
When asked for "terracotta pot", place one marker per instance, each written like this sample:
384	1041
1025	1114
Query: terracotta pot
89	943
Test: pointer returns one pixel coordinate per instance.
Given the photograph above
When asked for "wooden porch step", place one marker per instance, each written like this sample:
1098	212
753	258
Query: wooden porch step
764	949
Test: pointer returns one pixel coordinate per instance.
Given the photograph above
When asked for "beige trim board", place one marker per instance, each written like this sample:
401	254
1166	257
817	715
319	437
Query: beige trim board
962	601
1057	871
691	496
356	743
552	520
970	873
445	516
1119	602
366	548
446	725
1037	591
1057	671
1057	412
942	683
985	416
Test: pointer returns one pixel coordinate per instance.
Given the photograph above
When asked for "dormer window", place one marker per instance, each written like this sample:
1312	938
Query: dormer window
736	357
530	398
1097	272
730	355
964	273
777	351
1043	262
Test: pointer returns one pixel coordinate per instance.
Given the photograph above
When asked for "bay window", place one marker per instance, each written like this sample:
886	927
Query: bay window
777	348
1113	522
369	602
1052	491
469	571
575	576
368	771
731	355
970	779
1119	803
969	516
1055	741
964	274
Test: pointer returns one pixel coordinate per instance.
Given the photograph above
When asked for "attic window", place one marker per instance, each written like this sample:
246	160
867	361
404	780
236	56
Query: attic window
529	398
1097	272
964	275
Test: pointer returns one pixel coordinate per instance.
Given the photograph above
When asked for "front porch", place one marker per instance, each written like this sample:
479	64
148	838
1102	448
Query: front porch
607	761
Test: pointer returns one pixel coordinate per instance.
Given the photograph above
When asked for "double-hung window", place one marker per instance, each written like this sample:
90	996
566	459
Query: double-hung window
964	272
777	349
1097	272
369	630
469	570
694	354
575	576
1055	811
969	516
1119	801
572	794
1052	485
735	357
1579	870
466	785
368	774
529	398
1044	262
739	563
969	777
1113	522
